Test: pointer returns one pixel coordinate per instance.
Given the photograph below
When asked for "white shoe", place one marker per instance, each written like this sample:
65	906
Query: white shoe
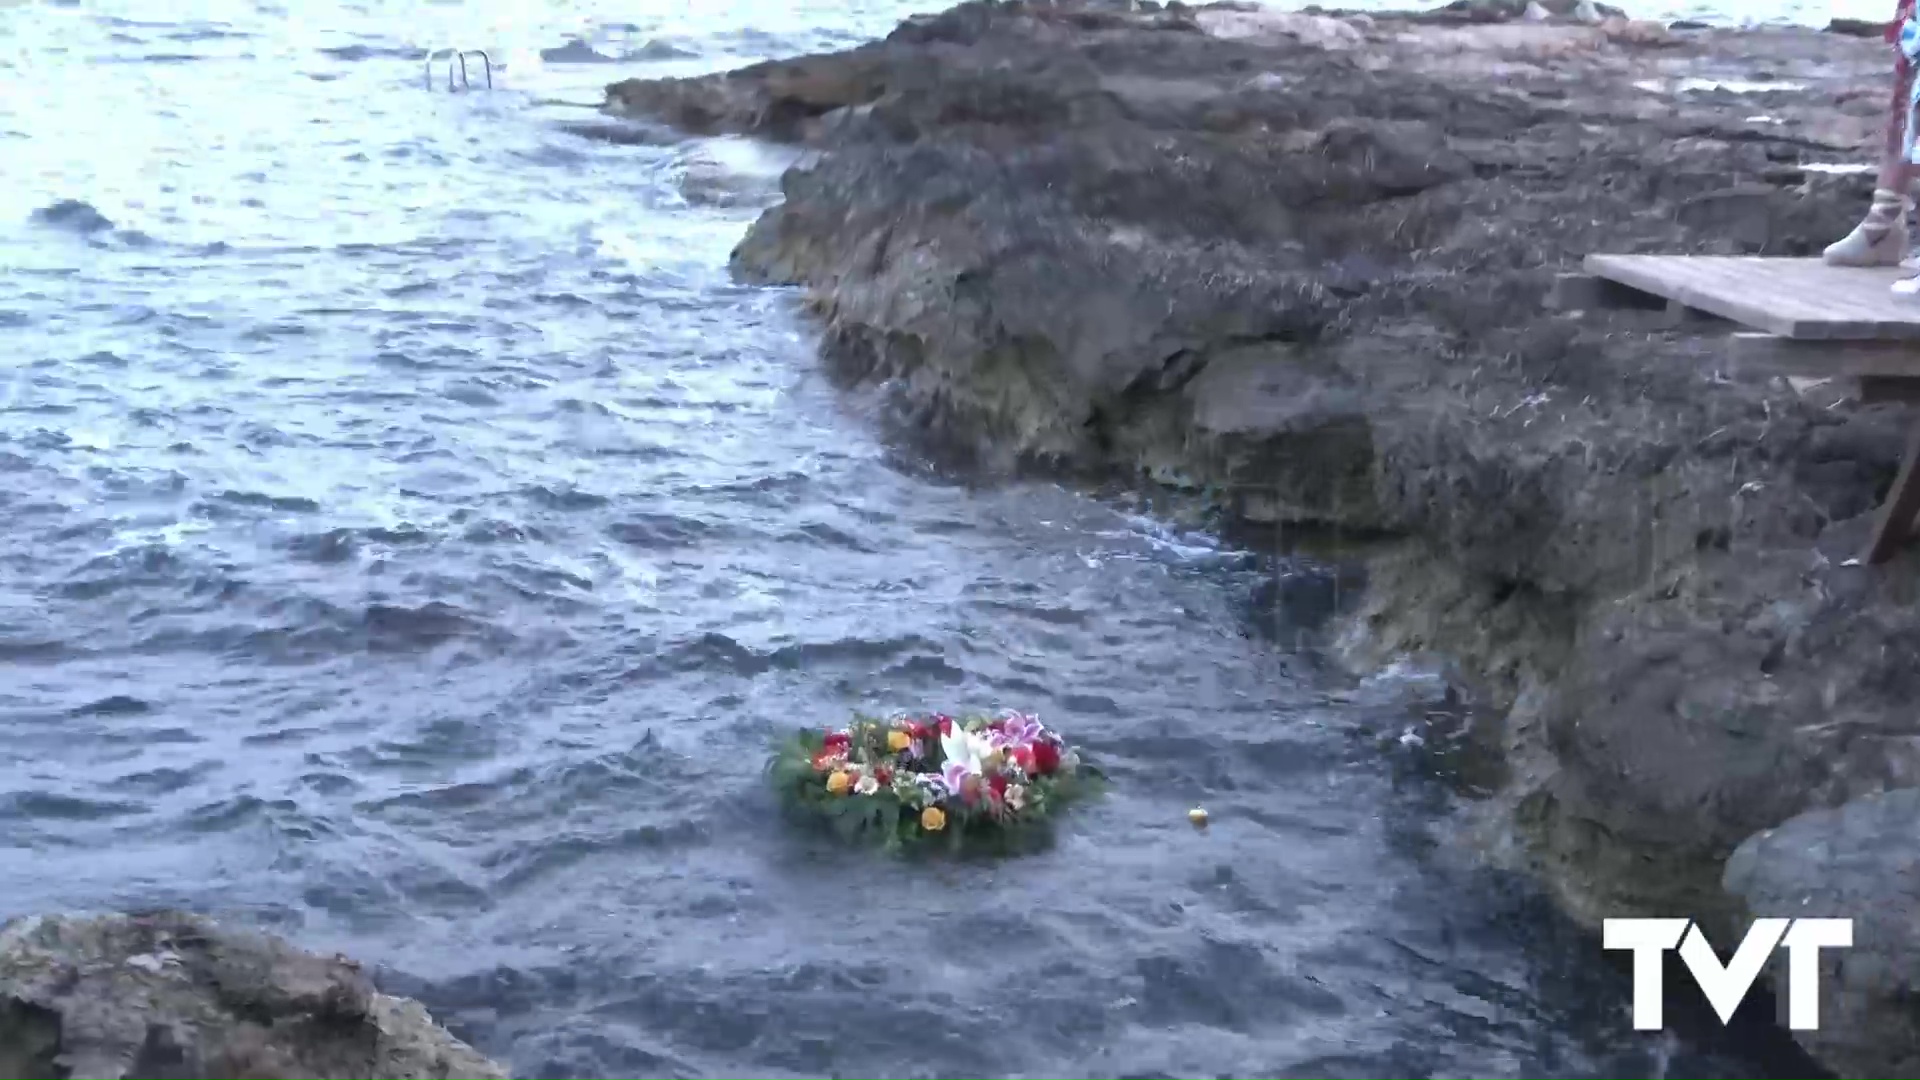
1879	240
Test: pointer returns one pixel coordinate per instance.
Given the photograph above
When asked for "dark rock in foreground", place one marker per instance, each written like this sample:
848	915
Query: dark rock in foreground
1298	261
1856	862
174	995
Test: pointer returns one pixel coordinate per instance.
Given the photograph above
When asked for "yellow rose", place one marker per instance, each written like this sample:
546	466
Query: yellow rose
898	741
839	782
933	819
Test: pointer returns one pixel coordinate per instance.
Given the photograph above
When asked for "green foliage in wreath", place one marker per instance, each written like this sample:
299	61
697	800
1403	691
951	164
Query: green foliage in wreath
969	782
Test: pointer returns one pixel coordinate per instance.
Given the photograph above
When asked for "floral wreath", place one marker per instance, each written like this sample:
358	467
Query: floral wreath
909	779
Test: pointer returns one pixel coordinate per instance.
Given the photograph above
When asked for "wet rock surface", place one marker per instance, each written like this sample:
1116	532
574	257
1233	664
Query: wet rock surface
174	995
1298	260
1856	862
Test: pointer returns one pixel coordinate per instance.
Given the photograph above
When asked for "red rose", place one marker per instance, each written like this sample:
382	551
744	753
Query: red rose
883	776
837	740
1023	757
946	725
1046	758
917	729
998	785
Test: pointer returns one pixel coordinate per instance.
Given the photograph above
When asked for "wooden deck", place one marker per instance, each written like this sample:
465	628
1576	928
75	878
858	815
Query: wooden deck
1804	318
1802	299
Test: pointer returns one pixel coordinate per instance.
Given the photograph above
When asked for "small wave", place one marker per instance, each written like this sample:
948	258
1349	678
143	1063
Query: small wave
634	453
625	778
1227	985
1054	614
373	52
820	534
329	783
471	393
163	781
206	33
657	531
282	815
496	531
52	806
116	705
353	888
576	52
621	133
730	174
549	154
81	218
189	31
140	565
556	854
153	58
776	489
343	544
564	498
661	50
222	247
275	330
925	670
73	215
306	630
40	651
716	652
285	504
400	628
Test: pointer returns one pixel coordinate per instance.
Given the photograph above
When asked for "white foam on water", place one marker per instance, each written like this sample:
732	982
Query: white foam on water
1737	86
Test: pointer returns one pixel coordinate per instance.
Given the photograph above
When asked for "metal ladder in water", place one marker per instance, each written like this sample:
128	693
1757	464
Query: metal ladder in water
460	56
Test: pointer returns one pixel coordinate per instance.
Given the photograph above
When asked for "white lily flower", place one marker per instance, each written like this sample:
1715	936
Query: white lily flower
967	749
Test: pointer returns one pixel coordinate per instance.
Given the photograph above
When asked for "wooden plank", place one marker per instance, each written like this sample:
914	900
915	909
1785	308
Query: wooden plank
1800	298
1793	298
1770	354
1894	526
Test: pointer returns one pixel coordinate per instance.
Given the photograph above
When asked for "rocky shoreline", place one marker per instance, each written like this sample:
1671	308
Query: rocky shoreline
1297	262
169	994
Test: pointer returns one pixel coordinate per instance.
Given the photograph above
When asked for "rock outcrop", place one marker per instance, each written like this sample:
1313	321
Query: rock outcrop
1297	260
174	995
1856	862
